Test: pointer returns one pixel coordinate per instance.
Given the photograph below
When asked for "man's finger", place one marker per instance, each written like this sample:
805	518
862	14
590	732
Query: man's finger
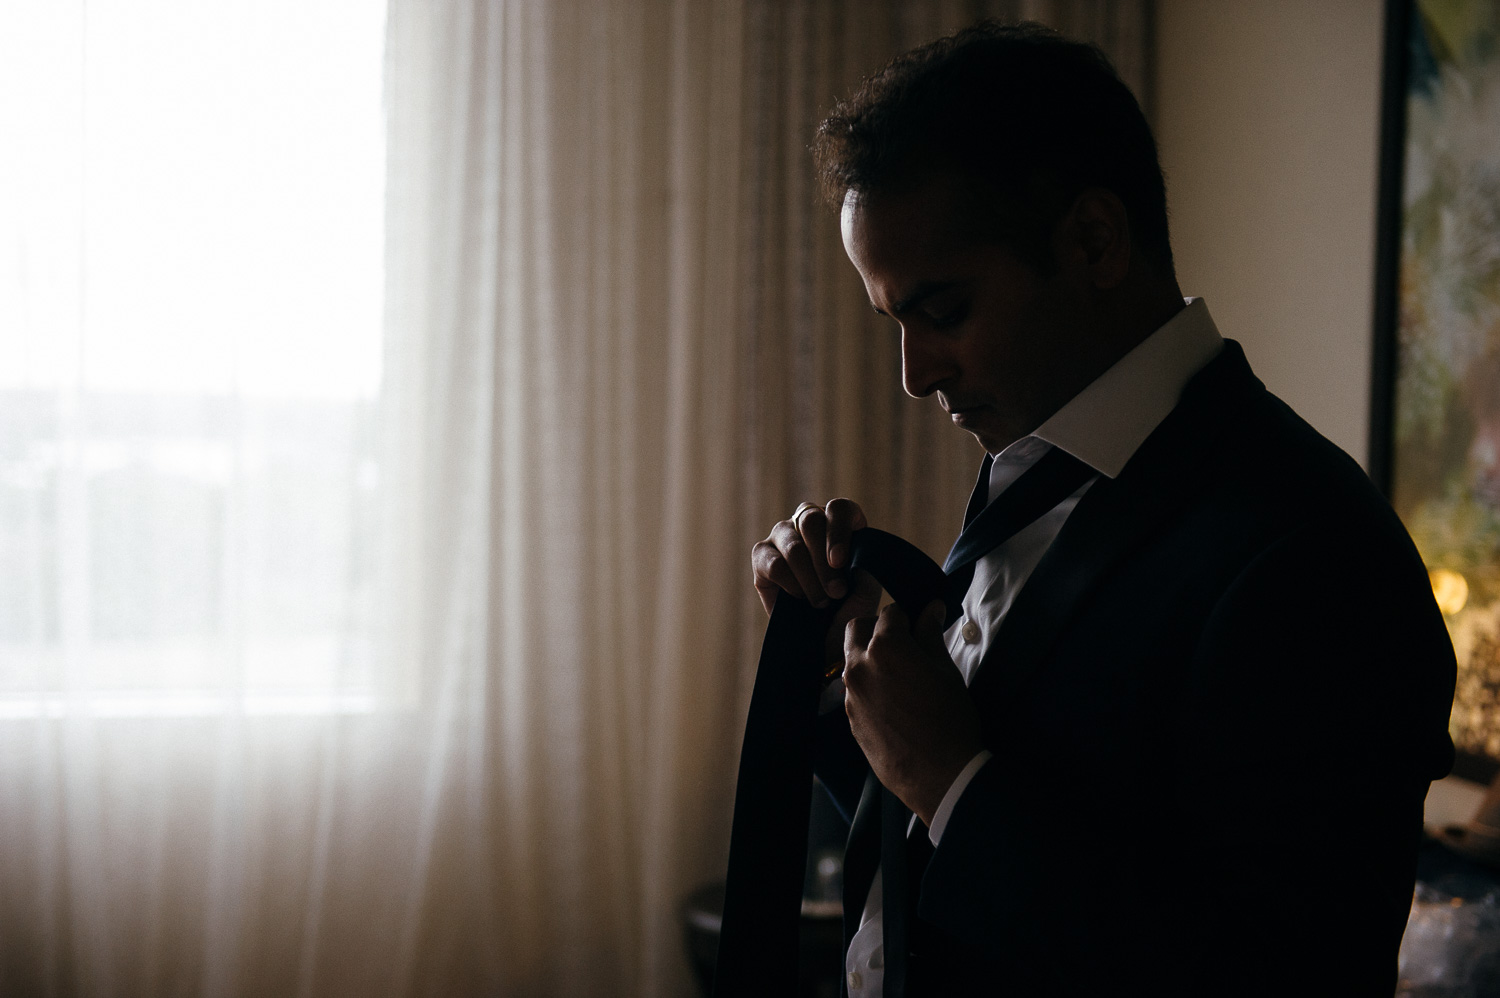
813	526
844	517
891	621
772	573
799	561
767	591
857	634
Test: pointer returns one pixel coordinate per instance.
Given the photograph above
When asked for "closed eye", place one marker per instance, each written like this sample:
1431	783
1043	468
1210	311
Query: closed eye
951	317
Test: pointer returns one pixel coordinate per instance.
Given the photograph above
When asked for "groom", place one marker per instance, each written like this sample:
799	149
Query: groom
1179	740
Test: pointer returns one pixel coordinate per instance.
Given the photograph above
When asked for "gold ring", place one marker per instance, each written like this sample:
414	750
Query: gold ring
805	507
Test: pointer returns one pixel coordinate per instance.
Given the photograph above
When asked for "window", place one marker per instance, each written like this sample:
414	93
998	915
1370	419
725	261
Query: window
191	281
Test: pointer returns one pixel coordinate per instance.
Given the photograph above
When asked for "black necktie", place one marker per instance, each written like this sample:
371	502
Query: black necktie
768	842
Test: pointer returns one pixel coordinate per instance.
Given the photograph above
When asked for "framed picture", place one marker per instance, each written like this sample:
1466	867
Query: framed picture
1435	426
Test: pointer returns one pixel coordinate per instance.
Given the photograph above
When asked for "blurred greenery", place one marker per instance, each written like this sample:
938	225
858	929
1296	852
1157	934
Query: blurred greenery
1446	482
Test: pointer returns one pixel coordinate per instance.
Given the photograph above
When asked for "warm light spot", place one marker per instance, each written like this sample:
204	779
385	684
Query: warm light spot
1450	589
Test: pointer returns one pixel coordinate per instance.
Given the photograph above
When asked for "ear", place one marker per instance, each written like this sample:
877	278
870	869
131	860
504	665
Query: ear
1099	228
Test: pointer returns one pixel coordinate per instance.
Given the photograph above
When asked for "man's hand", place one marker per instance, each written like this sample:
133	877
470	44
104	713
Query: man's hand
808	557
908	706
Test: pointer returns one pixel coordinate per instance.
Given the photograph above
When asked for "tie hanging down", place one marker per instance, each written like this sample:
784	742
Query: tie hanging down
758	940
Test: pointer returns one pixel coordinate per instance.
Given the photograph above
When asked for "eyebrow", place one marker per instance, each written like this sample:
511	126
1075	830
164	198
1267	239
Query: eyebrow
918	295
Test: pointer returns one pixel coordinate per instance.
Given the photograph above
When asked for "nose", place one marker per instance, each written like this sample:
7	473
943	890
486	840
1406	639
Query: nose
925	365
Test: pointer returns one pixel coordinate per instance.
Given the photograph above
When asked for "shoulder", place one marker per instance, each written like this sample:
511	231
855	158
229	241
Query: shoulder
1326	594
1247	456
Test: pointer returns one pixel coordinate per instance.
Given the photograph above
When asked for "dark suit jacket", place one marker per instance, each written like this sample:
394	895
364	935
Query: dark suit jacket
1215	709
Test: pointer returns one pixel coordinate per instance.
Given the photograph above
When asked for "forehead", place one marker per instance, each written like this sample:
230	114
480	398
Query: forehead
910	233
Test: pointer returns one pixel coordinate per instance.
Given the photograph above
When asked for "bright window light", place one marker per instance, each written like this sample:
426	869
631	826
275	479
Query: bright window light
191	291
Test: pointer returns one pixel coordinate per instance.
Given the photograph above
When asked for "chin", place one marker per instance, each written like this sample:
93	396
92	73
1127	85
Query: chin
991	443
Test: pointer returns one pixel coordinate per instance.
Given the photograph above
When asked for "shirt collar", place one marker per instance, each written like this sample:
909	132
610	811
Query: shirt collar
1104	424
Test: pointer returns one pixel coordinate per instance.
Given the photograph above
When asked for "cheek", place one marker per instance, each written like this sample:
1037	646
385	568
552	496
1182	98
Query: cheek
1044	333
1000	350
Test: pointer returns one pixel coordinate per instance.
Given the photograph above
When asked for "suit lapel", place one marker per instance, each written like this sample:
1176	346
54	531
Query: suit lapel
1113	518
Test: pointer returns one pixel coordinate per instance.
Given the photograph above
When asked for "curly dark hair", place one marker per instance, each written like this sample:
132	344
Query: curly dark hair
1026	118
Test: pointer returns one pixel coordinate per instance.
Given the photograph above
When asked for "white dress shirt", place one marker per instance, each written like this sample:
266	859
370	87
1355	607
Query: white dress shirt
1102	426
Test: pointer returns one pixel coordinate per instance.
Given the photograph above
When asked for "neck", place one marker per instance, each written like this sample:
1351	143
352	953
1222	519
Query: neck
1125	318
1141	312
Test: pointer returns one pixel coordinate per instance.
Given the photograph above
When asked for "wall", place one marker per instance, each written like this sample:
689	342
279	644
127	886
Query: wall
1267	112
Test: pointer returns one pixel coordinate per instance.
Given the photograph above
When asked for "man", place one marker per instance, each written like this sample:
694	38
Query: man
1179	741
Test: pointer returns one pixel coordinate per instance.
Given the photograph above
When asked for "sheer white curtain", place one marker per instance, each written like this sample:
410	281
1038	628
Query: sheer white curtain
334	667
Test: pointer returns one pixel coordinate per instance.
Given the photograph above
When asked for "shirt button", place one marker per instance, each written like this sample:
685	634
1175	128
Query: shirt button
970	631
855	981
